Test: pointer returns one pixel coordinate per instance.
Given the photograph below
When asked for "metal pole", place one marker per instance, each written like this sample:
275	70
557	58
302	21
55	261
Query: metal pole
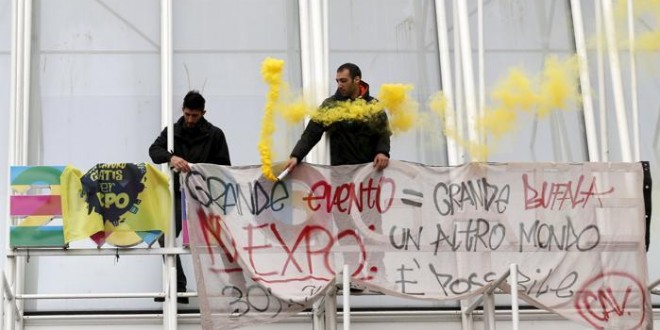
305	62
587	104
489	311
602	108
166	52
458	74
27	56
515	316
617	85
346	295
11	157
633	82
319	68
445	75
468	75
172	301
480	62
331	308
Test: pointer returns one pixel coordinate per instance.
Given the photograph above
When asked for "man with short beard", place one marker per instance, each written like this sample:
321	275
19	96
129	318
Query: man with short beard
195	141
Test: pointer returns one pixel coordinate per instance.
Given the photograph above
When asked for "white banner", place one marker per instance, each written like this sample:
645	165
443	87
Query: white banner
263	250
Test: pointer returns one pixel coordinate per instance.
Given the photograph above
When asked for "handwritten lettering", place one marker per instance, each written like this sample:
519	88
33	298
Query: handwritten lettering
303	247
450	198
547	236
557	195
371	194
228	195
476	234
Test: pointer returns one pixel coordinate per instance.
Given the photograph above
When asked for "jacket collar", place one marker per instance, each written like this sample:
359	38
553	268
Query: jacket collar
364	93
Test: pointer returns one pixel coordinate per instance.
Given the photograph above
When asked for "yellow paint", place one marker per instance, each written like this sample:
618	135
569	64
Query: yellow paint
36	220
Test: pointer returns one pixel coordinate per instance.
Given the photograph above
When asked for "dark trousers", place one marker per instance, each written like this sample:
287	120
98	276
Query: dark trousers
181	281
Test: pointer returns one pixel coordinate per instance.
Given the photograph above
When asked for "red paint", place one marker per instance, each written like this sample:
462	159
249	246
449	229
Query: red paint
304	243
211	227
553	195
597	304
347	196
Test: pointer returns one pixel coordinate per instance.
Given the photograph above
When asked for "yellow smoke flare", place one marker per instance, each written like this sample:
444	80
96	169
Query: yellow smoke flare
647	39
498	122
271	70
515	91
555	89
440	106
358	110
403	109
295	111
558	85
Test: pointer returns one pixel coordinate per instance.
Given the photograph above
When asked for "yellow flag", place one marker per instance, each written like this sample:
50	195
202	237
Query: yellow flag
122	199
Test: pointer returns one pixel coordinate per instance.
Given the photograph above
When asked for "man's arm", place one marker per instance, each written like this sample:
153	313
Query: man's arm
310	137
159	154
158	150
221	150
383	146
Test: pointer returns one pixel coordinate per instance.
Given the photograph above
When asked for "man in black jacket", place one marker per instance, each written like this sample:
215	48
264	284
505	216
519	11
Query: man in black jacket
351	142
195	141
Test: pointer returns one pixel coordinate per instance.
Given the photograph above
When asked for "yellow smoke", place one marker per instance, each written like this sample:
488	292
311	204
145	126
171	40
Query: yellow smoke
293	108
358	110
271	70
403	109
439	105
393	97
554	89
516	91
647	39
558	85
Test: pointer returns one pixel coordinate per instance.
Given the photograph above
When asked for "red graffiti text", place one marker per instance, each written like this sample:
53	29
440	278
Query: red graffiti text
560	195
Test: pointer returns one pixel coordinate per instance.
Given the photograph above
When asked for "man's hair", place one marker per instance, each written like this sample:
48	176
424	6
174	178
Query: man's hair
194	101
353	70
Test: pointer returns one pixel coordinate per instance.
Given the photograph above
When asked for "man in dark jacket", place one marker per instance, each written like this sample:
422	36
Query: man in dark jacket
195	141
351	142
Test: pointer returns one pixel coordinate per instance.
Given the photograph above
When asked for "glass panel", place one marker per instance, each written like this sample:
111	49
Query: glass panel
648	98
521	35
218	51
96	98
393	43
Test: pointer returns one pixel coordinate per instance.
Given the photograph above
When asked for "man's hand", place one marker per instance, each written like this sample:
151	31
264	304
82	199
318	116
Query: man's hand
179	164
291	164
381	161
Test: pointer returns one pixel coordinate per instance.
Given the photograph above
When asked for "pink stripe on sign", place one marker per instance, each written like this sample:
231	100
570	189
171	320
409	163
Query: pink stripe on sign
186	237
35	205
